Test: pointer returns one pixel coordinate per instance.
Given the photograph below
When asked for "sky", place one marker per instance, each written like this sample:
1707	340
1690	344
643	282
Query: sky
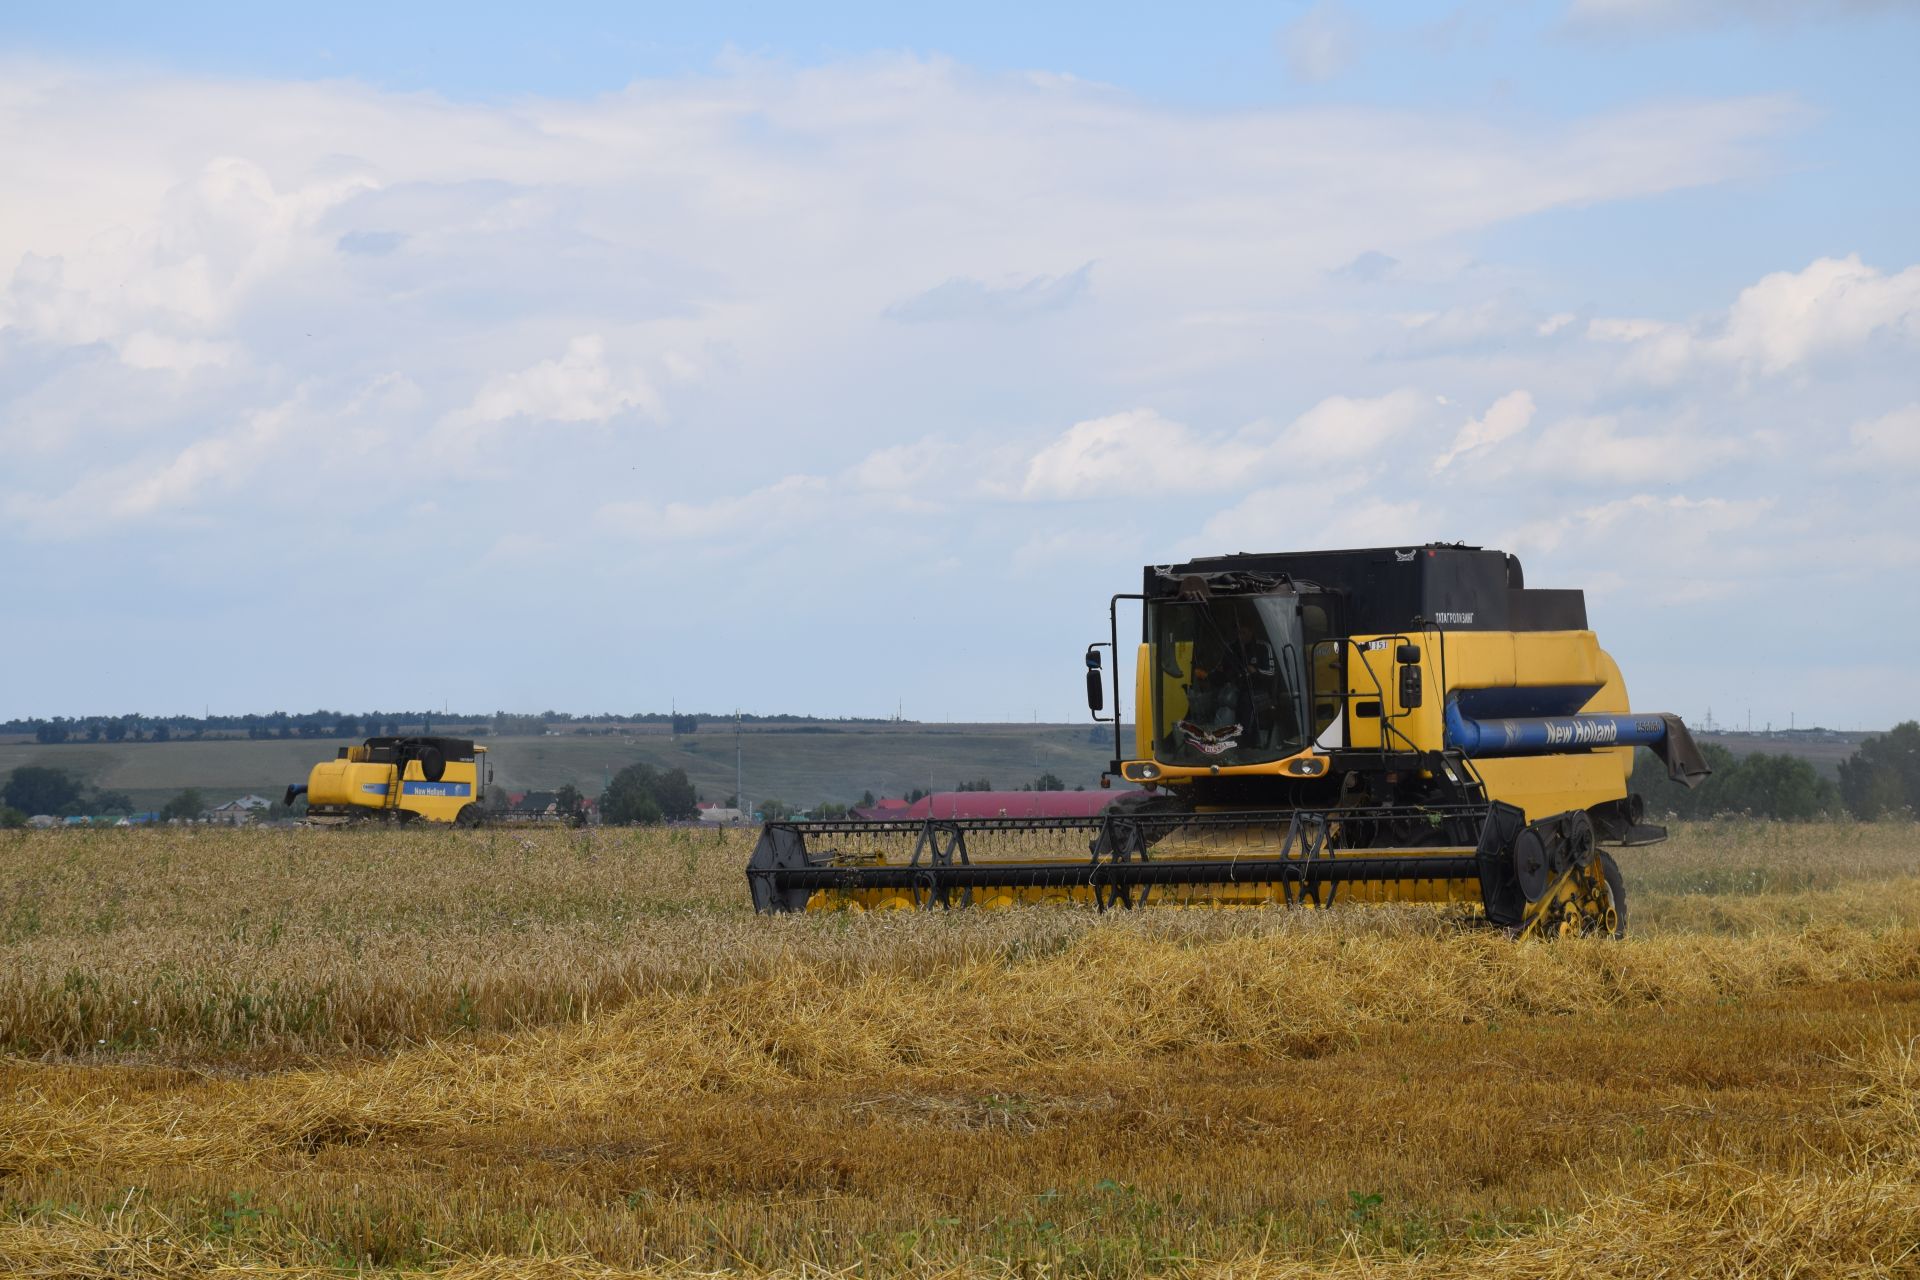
844	360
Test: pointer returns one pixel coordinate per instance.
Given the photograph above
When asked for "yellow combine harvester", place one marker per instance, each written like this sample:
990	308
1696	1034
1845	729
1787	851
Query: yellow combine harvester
399	780
1407	724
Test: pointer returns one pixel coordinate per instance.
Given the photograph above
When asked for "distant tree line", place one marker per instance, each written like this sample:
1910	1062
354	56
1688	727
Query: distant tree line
1883	777
34	789
640	793
135	727
186	806
274	724
1880	780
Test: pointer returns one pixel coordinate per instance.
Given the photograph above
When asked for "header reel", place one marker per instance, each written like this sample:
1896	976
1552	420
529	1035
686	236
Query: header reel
1544	878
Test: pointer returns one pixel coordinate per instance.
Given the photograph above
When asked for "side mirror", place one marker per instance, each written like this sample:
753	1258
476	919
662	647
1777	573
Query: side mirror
1410	690
1407	653
1096	695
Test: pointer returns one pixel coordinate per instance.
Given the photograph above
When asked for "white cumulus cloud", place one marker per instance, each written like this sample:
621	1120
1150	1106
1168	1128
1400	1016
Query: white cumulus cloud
1142	452
1834	303
1892	439
102	501
161	277
1595	450
1505	418
578	386
183	257
1777	325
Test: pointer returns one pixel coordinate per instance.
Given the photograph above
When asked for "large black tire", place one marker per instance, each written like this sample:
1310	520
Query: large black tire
433	765
1136	804
1145	802
1141	804
469	816
1611	870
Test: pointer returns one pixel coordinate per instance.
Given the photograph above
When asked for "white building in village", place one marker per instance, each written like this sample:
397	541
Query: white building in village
239	812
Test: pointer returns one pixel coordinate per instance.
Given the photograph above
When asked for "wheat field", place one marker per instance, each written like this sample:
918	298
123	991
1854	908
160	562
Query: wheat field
573	1054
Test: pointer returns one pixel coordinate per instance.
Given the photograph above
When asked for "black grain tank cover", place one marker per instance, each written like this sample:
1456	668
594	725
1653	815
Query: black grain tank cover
1391	589
394	750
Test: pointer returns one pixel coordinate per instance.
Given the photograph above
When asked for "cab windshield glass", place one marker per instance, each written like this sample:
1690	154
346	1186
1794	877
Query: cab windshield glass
1226	684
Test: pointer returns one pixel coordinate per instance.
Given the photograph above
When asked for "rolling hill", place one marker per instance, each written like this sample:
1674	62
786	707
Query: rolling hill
802	765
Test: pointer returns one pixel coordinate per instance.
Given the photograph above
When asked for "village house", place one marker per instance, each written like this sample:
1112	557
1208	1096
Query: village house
239	812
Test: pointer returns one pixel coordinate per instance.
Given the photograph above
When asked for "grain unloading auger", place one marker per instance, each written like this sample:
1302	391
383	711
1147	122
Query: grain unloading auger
1393	725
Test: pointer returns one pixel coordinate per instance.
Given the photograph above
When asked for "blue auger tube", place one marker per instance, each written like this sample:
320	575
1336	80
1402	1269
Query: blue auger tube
1542	735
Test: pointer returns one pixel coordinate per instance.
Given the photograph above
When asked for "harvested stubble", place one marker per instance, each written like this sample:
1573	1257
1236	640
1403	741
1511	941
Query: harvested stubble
1855	1213
680	1085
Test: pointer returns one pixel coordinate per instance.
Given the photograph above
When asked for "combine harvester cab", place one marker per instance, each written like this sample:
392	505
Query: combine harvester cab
430	779
1373	726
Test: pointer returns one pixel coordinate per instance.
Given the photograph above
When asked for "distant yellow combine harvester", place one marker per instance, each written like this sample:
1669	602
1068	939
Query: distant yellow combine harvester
1409	724
429	779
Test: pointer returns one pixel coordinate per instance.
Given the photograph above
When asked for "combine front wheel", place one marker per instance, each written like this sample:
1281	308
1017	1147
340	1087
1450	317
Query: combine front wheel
1583	902
1597	907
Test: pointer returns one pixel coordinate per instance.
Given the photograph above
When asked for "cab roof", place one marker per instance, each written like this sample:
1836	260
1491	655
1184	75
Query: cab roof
1382	590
